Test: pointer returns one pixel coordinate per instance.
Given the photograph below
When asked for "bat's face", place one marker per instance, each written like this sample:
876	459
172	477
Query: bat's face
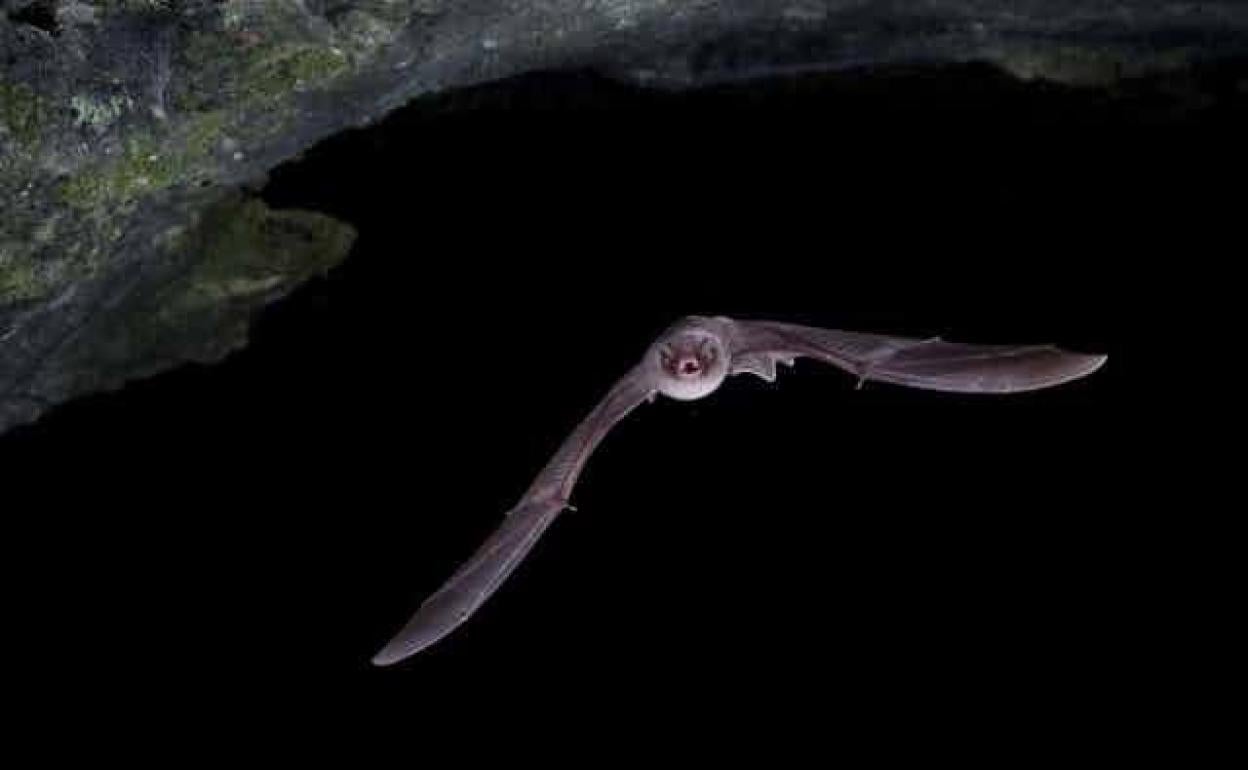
689	362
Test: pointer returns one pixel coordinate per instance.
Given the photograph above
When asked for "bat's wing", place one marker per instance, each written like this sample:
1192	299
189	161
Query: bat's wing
932	364
482	574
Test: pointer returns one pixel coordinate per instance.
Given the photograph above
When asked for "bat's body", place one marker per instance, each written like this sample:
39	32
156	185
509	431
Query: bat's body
690	361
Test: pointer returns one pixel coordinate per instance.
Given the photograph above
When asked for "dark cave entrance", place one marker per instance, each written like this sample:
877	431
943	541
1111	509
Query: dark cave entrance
521	242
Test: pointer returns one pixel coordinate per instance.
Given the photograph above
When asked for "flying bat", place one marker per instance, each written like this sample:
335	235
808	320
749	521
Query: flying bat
690	361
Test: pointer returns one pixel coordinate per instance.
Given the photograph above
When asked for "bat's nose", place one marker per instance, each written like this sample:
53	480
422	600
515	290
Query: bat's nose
689	365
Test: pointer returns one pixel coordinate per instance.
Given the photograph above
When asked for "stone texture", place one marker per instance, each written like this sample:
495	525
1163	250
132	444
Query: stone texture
128	127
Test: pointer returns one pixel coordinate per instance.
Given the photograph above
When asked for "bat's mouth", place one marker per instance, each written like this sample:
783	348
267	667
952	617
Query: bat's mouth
686	364
690	363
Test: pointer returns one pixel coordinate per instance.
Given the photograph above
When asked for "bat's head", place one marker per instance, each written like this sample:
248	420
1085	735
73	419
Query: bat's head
690	360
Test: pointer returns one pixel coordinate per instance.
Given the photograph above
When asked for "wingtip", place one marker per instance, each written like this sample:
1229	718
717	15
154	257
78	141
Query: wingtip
421	632
386	656
1092	362
1080	365
1063	366
381	659
401	648
394	653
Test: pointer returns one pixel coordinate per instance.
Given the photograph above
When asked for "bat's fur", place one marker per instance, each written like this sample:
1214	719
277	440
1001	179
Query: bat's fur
691	360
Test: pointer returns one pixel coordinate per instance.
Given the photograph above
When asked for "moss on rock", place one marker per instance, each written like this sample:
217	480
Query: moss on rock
21	112
96	113
148	164
19	280
247	249
284	69
237	257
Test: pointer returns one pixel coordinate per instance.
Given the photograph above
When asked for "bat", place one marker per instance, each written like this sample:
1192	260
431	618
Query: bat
690	361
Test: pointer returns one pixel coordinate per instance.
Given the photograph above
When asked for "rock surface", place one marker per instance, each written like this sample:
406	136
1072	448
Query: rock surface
128	129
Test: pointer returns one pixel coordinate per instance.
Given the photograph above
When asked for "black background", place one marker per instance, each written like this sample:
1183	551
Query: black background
778	569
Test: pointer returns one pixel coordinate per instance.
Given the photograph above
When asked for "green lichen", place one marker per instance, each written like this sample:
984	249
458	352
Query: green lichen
21	112
202	135
48	252
250	69
19	280
147	165
143	167
98	114
282	69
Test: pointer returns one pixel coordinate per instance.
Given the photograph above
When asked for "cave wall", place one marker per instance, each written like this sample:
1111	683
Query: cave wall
131	129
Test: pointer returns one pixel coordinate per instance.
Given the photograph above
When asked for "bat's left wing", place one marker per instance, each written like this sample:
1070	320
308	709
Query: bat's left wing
931	364
502	552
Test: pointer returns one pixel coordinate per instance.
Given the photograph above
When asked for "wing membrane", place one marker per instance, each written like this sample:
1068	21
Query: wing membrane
479	577
930	364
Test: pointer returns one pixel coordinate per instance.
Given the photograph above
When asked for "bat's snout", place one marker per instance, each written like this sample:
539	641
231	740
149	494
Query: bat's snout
688	366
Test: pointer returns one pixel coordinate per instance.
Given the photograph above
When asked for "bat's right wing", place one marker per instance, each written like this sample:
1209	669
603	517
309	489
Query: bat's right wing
502	552
931	364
